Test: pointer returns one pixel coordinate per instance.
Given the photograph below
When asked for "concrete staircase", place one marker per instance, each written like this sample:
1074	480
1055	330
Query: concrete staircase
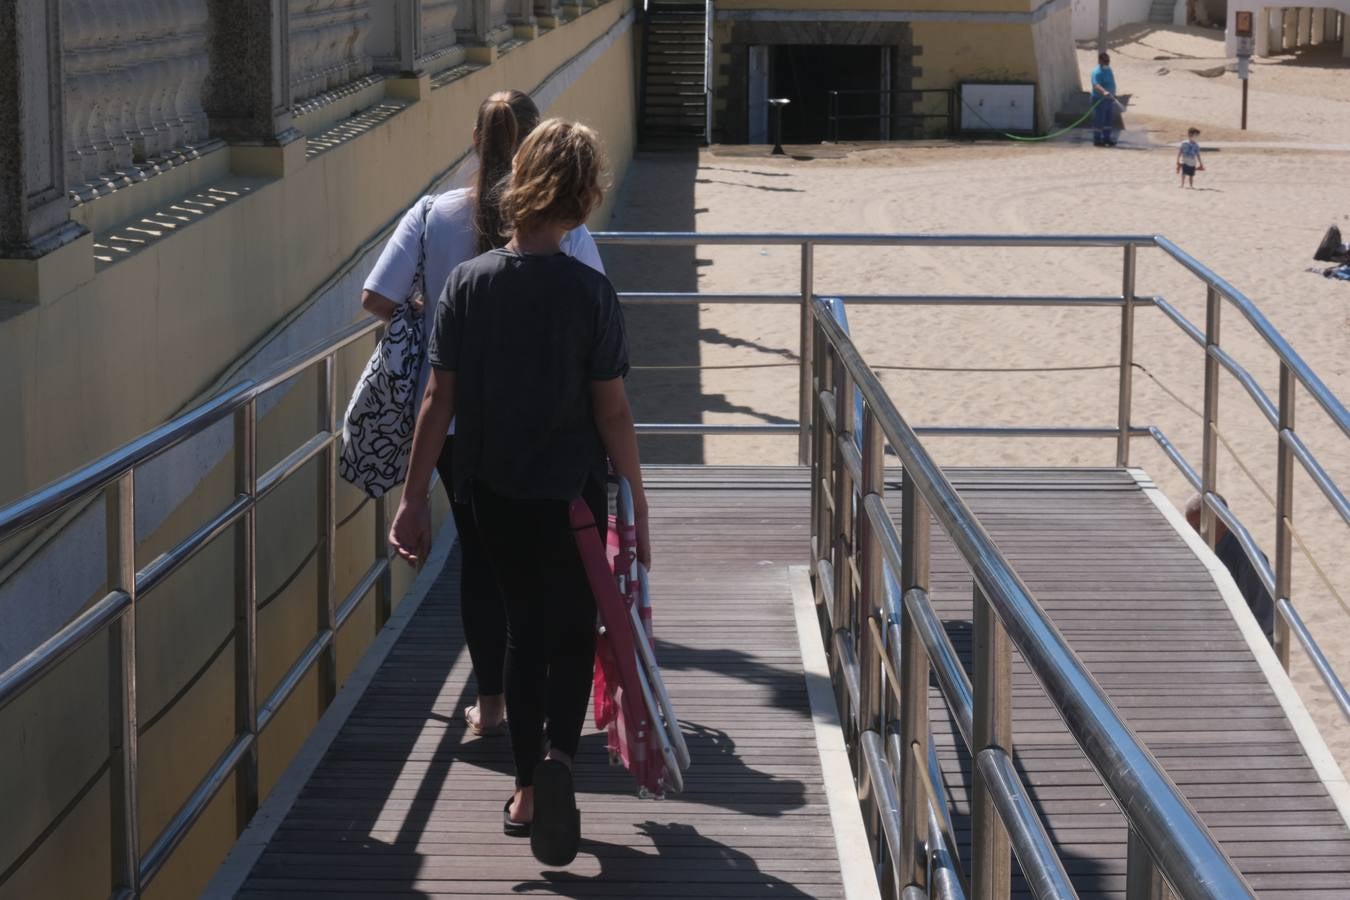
673	103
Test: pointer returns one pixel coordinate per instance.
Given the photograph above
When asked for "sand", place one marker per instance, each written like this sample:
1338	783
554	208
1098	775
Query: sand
1255	219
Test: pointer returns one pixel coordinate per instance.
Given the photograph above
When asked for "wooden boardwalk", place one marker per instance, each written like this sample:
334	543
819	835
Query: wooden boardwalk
403	804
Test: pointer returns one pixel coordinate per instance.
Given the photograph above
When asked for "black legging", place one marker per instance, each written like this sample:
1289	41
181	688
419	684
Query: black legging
480	602
550	613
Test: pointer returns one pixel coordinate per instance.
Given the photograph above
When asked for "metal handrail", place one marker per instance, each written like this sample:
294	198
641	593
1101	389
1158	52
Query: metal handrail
1177	840
1294	370
114	475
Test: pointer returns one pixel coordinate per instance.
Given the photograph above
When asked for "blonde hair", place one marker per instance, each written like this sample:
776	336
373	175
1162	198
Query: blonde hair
556	177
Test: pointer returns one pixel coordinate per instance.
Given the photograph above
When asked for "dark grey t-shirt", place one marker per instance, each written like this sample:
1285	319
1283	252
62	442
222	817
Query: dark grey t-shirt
526	335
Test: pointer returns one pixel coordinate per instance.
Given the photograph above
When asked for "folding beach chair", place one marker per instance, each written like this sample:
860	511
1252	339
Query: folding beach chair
631	700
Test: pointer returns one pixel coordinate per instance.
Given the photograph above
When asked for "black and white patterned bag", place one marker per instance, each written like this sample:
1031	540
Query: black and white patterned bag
377	429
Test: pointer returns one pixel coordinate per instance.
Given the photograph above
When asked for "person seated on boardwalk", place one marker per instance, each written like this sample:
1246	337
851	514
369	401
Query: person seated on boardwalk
529	351
1229	551
455	226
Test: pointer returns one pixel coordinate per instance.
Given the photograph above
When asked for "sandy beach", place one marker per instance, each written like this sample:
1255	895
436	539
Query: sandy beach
1255	218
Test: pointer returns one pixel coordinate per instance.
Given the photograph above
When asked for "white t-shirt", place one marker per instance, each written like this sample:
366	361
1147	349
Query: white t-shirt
451	239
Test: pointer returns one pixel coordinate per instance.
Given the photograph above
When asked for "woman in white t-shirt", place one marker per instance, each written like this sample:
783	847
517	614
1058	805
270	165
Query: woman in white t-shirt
460	225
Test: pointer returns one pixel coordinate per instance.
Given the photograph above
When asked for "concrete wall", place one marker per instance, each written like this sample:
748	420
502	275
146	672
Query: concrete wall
1118	13
969	40
219	288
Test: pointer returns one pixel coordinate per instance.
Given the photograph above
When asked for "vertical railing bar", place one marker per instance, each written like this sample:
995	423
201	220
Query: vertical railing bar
806	402
872	591
1143	878
818	383
123	728
327	536
826	450
1284	510
991	848
246	775
1126	357
844	604
914	547
1210	438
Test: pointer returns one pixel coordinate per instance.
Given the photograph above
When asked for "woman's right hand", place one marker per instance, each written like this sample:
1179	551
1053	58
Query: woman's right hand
410	533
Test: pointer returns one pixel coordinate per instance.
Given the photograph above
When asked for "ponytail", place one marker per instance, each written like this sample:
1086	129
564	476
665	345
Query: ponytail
503	121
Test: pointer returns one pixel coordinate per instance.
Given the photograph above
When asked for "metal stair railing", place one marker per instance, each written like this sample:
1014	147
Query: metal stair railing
1294	372
114	476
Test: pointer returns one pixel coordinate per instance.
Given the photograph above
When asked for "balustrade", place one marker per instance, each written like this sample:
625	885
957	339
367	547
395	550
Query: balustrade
327	45
441	47
133	75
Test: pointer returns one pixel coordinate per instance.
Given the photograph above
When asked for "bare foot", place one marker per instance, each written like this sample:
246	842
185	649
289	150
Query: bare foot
488	715
522	805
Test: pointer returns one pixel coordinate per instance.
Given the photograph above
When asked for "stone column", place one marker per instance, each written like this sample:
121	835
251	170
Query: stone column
1345	35
1304	26
398	46
1290	39
42	253
248	90
1260	30
1318	21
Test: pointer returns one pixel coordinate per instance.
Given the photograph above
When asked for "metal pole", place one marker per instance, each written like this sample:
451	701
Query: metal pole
825	454
327	533
842	533
123	731
1284	512
1143	880
1103	25
1210	438
991	848
1126	358
914	539
1244	104
246	613
817	500
806	402
872	607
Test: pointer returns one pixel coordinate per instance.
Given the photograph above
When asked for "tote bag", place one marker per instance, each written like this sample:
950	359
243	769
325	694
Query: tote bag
377	429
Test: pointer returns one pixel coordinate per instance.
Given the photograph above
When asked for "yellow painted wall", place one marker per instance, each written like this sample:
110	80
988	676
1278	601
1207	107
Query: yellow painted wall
89	370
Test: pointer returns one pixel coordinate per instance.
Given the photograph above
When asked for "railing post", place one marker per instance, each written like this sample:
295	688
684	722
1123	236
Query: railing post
872	607
842	532
991	849
327	532
1210	457
1126	358
806	403
825	453
914	538
1284	512
1143	880
123	731
817	496
246	613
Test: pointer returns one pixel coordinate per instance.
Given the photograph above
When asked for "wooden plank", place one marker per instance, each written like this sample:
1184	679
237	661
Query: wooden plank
406	804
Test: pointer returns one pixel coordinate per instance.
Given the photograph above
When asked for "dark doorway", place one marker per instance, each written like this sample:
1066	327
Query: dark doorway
806	73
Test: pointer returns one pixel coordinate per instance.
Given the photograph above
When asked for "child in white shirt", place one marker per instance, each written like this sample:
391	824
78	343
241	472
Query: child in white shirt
1188	158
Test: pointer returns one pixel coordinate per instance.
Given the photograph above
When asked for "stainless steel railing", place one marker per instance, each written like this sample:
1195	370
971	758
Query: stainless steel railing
114	475
854	540
830	430
1294	372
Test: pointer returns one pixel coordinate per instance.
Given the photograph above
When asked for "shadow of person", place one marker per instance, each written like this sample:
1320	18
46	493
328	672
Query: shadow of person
684	863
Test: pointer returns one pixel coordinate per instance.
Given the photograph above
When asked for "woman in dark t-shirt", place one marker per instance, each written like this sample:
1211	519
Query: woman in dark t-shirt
529	352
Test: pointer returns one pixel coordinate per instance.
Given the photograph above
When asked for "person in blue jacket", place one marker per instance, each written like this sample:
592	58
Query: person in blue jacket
1104	95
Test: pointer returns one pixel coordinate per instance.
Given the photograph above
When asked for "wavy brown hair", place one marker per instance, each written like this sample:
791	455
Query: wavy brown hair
556	177
503	121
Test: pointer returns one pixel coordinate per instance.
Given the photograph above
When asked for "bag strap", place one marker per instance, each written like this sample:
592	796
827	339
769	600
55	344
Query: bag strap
419	284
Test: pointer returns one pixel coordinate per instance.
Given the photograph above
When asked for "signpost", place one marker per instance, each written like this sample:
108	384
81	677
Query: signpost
1243	31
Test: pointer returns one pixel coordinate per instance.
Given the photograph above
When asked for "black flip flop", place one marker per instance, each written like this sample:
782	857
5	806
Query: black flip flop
510	827
556	831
